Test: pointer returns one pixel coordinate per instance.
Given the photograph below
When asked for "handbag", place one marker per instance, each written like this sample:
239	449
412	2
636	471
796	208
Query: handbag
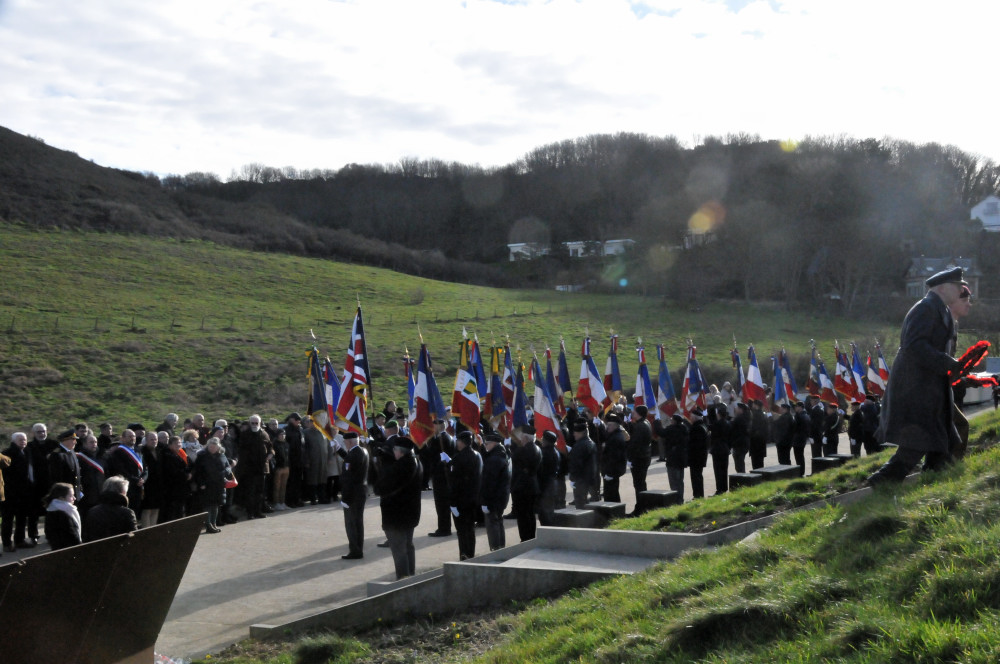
231	483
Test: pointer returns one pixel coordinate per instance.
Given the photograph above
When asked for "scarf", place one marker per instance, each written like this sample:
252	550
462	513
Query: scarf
68	508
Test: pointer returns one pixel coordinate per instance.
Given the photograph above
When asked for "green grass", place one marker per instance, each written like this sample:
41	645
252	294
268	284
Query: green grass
100	326
908	574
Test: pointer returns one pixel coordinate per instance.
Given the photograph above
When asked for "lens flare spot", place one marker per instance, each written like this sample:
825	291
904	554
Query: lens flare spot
623	282
789	145
660	258
707	218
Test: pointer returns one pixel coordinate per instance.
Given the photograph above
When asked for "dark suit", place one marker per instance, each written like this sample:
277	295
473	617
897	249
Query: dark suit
524	488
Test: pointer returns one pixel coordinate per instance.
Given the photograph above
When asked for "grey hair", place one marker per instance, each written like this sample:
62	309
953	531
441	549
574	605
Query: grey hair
116	483
17	435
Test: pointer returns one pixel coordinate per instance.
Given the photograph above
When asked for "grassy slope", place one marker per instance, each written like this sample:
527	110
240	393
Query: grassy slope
103	326
910	574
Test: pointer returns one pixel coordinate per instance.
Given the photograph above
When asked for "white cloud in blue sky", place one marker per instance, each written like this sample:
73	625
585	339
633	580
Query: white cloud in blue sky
209	85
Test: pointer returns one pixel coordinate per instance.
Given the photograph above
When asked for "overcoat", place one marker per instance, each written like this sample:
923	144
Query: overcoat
918	400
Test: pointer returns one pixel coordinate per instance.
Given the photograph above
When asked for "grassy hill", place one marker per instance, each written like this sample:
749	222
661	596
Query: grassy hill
100	326
908	574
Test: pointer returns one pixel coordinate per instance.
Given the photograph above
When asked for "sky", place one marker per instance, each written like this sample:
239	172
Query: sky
181	86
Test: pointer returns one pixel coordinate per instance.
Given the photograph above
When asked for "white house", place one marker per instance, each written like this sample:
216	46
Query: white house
526	251
988	212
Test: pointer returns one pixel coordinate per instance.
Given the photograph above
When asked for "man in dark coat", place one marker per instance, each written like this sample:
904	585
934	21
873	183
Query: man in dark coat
801	426
831	428
739	437
435	456
253	452
91	474
582	464
38	450
675	447
293	434
640	448
122	459
759	425
548	478
354	493
917	414
399	485
719	446
19	491
697	453
494	490
781	432
63	464
817	416
465	472
526	459
614	457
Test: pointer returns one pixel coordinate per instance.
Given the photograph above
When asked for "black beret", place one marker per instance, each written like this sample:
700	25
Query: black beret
135	426
580	425
550	436
294	416
641	411
613	417
466	436
404	443
493	437
953	275
350	434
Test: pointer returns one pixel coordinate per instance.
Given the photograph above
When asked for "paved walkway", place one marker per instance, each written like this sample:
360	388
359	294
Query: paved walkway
288	566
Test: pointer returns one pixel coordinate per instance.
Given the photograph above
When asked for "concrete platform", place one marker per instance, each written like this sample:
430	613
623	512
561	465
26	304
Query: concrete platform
736	480
779	472
825	462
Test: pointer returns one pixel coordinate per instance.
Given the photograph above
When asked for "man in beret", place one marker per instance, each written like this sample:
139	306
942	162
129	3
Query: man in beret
525	459
640	450
435	456
354	493
63	464
399	492
494	489
582	464
614	457
917	415
465	473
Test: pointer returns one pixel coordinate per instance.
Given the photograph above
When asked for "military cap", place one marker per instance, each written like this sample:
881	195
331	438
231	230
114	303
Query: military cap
550	436
404	443
641	410
294	416
69	434
613	417
350	434
392	424
466	436
580	425
953	275
493	437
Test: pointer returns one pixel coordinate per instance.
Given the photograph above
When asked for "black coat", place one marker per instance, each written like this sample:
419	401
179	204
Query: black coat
918	400
64	467
801	428
210	474
675	444
91	481
783	429
614	457
465	473
525	462
110	517
176	486
640	441
583	461
494	490
698	445
19	490
399	489
60	530
354	477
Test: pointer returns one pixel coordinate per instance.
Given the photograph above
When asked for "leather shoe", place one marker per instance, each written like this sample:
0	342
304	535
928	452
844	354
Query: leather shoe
438	533
9	548
26	544
383	545
353	556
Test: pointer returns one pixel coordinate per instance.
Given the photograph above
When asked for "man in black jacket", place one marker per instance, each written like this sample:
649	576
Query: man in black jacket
675	446
918	410
494	490
398	487
697	453
63	464
354	493
435	456
582	464
614	458
464	474
801	427
526	459
640	451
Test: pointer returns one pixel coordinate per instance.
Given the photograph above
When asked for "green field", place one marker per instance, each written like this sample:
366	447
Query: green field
101	326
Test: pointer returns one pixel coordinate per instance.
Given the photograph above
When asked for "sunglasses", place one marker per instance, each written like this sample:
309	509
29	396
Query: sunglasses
966	294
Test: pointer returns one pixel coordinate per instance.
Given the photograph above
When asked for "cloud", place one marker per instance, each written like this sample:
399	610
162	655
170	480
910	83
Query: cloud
185	85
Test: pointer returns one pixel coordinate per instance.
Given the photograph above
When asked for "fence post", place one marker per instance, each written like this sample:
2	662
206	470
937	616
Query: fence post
57	324
12	319
202	323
